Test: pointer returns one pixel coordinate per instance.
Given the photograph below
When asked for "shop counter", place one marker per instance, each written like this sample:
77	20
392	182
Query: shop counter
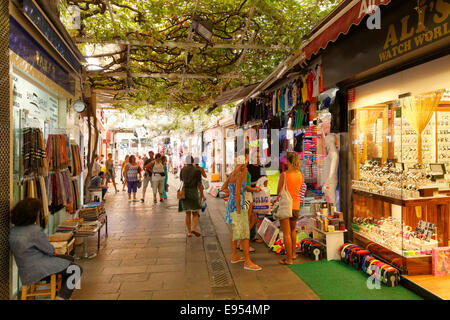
431	209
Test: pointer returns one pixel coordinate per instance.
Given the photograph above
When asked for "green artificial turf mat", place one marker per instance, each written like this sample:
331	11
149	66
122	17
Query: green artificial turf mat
335	280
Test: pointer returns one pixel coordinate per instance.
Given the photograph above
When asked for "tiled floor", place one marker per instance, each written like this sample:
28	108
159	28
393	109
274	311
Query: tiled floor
148	256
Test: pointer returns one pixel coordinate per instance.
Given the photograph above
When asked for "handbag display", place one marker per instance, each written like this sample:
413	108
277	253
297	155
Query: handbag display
283	208
180	192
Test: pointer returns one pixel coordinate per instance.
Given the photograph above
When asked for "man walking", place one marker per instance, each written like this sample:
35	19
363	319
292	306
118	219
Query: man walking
147	173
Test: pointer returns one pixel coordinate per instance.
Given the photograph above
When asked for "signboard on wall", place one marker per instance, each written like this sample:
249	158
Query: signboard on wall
25	46
40	105
406	28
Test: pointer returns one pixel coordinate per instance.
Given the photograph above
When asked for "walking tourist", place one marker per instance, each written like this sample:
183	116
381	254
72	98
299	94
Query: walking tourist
35	256
191	205
140	162
122	172
110	172
132	174
157	170
237	215
147	173
294	182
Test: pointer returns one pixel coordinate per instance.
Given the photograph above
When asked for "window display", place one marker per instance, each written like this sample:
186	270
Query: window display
401	191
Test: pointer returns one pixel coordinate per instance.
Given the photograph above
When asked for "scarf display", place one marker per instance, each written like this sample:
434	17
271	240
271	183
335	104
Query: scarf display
36	188
61	192
33	152
57	152
75	160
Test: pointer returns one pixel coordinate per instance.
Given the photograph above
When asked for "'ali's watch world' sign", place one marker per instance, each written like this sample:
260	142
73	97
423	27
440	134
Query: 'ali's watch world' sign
405	28
427	23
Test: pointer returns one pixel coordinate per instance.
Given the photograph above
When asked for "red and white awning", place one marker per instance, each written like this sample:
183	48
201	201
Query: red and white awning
341	23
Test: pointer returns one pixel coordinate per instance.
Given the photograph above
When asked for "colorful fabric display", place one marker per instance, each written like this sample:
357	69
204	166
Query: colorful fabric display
33	151
57	152
61	192
35	188
75	162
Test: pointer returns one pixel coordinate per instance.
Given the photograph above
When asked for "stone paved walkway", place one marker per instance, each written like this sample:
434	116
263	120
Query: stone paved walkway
148	256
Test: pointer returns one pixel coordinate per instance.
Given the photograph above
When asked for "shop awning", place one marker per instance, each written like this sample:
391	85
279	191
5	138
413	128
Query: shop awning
233	95
338	22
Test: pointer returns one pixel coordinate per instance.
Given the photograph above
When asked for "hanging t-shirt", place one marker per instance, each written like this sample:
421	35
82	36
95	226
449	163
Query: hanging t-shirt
287	106
316	83
304	88
274	103
282	99
310	84
294	94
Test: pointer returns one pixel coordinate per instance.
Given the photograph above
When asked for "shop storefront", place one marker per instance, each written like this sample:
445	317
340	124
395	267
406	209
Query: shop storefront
396	89
212	153
45	83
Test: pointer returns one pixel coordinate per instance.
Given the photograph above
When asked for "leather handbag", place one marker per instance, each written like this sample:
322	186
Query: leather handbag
180	193
283	209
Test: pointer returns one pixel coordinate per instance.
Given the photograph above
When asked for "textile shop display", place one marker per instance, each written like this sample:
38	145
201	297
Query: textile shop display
57	152
60	192
75	165
36	188
76	196
33	152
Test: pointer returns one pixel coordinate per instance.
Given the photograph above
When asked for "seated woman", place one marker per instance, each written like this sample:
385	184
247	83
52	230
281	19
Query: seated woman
34	254
97	183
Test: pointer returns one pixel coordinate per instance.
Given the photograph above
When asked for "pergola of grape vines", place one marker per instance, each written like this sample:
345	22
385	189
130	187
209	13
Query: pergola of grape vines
147	54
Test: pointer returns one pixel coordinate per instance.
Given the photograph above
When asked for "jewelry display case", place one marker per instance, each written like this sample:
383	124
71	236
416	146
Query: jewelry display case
400	186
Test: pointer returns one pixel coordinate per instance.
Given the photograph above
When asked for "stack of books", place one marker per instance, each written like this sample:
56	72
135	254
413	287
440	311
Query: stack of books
92	211
68	226
87	230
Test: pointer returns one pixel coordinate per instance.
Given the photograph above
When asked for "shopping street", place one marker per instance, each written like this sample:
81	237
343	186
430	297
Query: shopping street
225	150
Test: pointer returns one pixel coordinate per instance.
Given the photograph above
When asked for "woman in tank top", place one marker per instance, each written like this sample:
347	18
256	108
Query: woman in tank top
157	170
294	182
110	172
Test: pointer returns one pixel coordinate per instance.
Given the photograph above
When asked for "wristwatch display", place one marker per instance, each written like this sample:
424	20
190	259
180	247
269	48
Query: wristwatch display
398	237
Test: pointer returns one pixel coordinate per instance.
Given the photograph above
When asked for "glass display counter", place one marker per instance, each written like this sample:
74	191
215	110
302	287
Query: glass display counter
400	186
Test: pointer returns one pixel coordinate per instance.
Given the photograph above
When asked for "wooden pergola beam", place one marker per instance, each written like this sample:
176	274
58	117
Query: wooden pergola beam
163	75
188	45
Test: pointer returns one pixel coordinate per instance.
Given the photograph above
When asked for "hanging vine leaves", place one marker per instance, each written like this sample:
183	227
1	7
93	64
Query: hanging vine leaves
281	23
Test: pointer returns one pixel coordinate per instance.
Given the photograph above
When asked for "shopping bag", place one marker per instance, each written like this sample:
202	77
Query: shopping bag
180	192
205	184
204	205
261	200
283	208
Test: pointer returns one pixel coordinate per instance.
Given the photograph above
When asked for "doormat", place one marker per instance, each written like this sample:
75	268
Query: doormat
335	280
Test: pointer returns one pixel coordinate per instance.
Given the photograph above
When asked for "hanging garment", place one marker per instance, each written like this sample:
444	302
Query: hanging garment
44	198
294	93
304	88
310	85
33	152
282	100
317	80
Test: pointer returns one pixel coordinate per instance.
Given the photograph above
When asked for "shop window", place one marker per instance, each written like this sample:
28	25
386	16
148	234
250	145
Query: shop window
401	156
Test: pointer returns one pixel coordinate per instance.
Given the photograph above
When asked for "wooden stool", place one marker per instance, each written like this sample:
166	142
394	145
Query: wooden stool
55	285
